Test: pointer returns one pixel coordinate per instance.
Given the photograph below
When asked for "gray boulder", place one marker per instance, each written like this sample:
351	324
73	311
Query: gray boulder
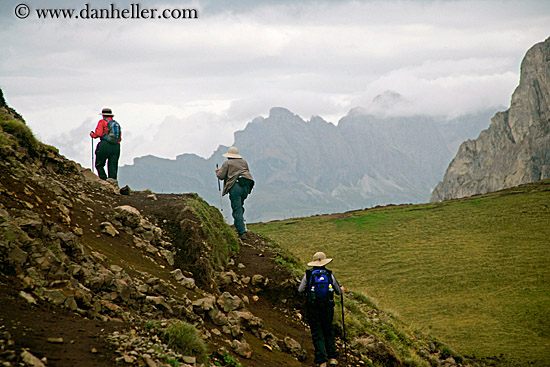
228	303
128	215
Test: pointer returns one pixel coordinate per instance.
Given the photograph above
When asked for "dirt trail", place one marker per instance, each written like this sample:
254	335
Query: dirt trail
278	302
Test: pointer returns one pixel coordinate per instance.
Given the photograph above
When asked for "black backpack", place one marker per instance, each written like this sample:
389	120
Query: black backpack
242	181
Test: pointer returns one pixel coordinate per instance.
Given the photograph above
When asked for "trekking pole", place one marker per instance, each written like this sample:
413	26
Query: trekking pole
304	322
303	335
304	317
220	190
344	327
93	165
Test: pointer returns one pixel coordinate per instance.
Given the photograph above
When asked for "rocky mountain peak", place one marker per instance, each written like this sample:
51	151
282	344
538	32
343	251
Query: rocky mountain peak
388	99
515	148
531	98
281	113
317	120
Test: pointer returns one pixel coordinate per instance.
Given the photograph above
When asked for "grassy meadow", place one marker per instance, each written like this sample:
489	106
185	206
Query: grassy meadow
473	272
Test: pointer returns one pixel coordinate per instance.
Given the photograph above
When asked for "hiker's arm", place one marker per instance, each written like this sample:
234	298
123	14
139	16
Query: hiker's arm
303	283
99	130
338	289
222	172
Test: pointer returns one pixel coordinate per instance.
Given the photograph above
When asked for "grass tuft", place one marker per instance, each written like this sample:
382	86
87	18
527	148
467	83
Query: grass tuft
21	133
220	237
185	339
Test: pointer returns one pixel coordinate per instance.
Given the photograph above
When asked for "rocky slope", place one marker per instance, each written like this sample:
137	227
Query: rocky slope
90	277
310	167
515	149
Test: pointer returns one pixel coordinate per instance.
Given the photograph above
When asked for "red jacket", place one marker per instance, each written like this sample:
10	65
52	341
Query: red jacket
102	128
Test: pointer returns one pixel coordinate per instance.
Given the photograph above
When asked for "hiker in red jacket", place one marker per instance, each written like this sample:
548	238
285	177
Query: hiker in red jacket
108	149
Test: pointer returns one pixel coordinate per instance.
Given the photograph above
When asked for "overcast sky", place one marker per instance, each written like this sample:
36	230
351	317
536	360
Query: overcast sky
185	85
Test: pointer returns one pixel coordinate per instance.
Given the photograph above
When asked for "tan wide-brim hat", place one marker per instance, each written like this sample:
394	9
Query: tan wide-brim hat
232	152
319	259
106	112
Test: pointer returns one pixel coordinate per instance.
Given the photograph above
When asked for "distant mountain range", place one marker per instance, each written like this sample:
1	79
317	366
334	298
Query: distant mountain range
314	167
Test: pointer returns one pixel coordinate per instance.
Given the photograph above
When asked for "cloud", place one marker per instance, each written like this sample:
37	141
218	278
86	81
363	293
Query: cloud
199	133
446	87
70	142
186	86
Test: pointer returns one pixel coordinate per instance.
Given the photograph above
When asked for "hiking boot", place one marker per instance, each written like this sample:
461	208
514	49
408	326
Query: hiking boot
332	362
242	236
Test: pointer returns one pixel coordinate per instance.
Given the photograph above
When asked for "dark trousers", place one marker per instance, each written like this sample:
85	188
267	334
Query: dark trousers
107	153
237	195
319	318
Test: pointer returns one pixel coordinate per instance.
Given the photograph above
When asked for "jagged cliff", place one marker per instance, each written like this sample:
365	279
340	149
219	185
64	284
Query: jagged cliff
515	149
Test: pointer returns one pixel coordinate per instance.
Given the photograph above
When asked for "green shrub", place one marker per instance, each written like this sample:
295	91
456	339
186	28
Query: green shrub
20	132
185	339
219	236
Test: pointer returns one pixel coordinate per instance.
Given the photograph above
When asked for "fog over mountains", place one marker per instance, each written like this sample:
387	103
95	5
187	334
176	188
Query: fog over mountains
313	167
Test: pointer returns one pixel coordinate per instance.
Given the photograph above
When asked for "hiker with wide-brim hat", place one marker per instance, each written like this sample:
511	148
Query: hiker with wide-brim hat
319	285
238	182
108	149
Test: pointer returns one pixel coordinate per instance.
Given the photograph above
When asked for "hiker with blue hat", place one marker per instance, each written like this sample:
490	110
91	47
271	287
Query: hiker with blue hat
238	183
319	285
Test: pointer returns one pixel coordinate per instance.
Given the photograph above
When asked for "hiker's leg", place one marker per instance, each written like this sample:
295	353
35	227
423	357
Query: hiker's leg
314	321
328	331
113	160
235	195
246	191
245	195
100	159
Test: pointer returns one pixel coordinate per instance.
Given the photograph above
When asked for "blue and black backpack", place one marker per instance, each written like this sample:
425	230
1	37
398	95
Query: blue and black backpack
320	288
115	132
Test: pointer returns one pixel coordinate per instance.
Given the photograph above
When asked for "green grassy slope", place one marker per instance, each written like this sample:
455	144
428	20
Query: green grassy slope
475	272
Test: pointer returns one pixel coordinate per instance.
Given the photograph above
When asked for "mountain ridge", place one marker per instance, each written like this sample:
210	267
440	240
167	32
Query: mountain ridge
316	166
